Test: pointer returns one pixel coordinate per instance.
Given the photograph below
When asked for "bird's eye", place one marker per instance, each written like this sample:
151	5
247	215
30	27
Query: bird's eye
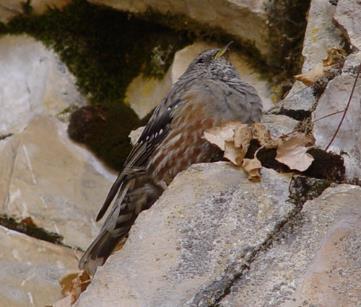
201	60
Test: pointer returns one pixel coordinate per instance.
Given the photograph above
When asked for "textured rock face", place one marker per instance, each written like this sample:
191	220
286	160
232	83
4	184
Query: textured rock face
52	180
334	99
209	220
348	16
32	81
144	94
245	19
31	269
321	33
315	263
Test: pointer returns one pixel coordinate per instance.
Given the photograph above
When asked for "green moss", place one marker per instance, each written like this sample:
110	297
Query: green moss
104	48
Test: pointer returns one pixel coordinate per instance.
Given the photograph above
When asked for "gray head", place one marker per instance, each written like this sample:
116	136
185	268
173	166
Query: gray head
212	64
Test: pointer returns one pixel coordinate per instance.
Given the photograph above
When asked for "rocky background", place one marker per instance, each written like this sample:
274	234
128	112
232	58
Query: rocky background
77	76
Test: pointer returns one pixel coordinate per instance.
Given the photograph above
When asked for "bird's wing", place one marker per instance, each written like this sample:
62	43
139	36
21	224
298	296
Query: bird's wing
154	132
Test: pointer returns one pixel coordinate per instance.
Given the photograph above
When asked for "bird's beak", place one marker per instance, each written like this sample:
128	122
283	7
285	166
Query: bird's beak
222	51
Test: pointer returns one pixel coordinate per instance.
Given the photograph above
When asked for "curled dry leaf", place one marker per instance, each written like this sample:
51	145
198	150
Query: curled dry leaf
233	154
219	135
293	152
74	284
310	77
253	168
263	136
335	58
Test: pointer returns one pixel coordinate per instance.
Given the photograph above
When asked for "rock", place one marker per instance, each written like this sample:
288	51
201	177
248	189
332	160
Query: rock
321	34
31	269
49	178
299	102
135	135
32	81
348	17
335	98
314	262
144	94
246	20
279	125
12	8
200	233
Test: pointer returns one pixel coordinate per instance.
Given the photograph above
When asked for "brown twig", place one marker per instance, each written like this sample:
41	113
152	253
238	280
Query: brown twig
328	115
346	109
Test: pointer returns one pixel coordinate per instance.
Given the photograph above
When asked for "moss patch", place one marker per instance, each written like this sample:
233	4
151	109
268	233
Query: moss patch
104	48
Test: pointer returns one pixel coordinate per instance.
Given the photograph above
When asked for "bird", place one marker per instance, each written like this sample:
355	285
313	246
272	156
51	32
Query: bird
209	93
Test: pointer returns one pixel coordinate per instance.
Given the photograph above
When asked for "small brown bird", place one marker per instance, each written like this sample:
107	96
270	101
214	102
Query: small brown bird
207	95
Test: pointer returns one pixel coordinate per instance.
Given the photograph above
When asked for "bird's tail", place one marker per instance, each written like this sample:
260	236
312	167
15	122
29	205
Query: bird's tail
98	251
135	193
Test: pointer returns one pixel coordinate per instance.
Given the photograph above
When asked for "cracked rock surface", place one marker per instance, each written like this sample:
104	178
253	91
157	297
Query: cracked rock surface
204	228
57	183
334	99
31	269
315	261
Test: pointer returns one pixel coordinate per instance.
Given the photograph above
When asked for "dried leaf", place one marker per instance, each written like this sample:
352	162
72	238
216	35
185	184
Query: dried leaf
234	154
219	135
242	136
263	135
335	56
310	77
74	284
252	167
293	152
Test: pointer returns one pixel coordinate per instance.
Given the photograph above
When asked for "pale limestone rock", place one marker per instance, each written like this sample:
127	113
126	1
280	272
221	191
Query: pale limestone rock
279	125
335	98
247	20
57	183
208	221
348	17
135	135
11	8
31	269
32	81
314	262
321	34
144	94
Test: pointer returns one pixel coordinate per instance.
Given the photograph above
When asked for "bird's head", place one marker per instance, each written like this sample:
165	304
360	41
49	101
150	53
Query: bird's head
209	58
